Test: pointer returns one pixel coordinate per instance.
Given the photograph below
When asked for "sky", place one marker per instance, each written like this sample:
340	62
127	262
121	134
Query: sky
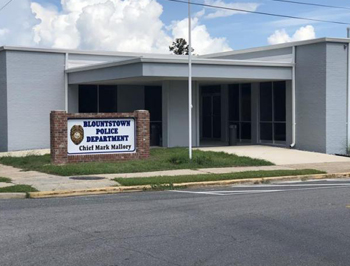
152	25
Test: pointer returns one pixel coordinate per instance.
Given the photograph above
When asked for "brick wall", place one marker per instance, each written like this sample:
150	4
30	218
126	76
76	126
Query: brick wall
59	142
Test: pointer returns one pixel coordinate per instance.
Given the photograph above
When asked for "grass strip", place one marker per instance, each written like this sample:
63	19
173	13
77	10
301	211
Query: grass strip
159	180
160	159
5	180
18	188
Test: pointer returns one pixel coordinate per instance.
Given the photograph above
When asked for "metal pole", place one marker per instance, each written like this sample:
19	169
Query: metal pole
348	32
189	83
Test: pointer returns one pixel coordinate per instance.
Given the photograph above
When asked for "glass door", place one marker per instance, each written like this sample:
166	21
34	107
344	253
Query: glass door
273	112
211	112
240	110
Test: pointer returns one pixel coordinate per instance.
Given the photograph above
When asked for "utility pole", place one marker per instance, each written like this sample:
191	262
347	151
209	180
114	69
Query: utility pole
189	82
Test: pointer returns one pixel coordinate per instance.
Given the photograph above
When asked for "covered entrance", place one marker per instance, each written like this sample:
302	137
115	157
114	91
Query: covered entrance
224	93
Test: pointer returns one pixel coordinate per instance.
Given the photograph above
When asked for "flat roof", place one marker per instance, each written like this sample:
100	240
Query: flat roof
277	46
85	52
133	54
199	61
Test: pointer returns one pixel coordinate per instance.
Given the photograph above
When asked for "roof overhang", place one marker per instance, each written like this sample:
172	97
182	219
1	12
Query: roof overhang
165	68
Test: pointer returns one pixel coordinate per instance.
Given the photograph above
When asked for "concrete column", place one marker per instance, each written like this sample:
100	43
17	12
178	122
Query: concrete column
289	126
165	113
224	113
255	89
73	98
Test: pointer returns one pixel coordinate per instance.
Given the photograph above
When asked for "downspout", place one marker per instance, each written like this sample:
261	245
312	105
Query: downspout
293	98
66	83
348	102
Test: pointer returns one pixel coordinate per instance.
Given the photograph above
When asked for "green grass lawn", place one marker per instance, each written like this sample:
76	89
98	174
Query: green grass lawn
160	159
18	188
161	180
5	180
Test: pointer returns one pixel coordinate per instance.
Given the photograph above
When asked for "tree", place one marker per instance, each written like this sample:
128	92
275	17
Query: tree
180	47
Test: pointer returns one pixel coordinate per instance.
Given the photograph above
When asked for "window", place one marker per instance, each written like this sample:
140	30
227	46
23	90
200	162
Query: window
88	99
273	112
240	109
97	99
107	99
153	103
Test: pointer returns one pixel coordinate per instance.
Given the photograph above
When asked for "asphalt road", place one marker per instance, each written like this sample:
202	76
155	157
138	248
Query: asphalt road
288	224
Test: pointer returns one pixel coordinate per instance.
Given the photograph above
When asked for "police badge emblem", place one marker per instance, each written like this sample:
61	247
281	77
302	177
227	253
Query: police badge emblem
77	134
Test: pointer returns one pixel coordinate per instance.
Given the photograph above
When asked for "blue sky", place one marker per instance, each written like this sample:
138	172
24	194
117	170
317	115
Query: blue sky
250	30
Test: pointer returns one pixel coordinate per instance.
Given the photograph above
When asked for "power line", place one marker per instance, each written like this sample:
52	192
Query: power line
260	13
311	4
5	5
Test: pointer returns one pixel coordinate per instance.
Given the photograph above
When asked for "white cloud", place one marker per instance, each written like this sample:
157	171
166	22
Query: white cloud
16	24
303	33
117	25
202	42
226	13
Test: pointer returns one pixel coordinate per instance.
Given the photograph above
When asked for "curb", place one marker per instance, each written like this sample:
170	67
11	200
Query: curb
114	190
13	195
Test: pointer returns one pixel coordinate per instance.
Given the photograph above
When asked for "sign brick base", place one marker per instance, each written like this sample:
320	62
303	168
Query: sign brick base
59	137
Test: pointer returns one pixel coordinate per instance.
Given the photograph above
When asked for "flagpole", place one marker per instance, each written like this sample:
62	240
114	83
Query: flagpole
189	83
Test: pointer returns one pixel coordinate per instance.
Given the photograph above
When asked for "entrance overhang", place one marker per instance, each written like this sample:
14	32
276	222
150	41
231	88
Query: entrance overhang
157	69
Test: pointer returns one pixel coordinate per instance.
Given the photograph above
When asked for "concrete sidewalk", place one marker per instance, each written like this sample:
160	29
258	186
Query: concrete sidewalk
285	159
278	155
47	182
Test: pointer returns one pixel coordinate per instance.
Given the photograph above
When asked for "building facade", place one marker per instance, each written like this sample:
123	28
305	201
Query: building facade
290	95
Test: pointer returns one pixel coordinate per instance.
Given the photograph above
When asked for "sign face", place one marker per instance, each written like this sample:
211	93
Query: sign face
96	136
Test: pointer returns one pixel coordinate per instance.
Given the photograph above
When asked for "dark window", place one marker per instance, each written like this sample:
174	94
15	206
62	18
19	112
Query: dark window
273	111
211	89
153	102
266	101
246	130
107	99
234	102
280	131
216	116
211	112
240	109
207	116
88	99
279	98
246	102
266	131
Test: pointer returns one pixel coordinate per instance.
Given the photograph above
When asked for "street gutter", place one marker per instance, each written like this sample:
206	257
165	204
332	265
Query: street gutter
122	189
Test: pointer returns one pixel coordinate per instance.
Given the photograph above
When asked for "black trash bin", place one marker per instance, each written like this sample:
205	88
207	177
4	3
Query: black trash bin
232	137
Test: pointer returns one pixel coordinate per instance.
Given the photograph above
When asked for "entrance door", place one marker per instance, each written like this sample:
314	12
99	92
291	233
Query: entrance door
273	112
211	112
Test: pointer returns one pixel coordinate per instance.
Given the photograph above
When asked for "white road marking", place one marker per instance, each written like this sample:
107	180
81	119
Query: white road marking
294	185
231	192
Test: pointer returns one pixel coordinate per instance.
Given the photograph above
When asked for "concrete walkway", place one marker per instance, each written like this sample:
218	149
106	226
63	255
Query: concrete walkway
202	171
279	156
25	153
285	159
46	182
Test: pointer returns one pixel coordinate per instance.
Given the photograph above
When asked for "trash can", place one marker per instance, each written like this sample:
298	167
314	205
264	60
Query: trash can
232	137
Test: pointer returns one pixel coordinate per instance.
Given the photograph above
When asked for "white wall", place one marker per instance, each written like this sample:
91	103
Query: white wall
175	114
